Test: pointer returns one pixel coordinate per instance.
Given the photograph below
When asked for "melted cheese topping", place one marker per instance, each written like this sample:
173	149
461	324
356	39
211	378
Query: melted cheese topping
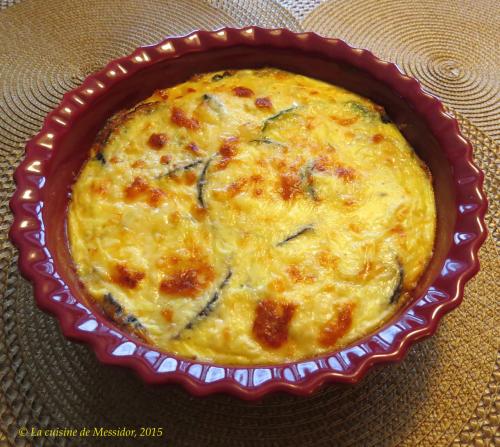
251	216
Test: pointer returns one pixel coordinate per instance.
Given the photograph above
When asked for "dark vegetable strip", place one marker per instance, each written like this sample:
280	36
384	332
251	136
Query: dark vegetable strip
307	180
365	111
203	313
112	305
210	305
360	108
213	102
306	229
100	157
219	76
385	118
399	285
276	116
267	141
202	182
182	168
115	311
134	321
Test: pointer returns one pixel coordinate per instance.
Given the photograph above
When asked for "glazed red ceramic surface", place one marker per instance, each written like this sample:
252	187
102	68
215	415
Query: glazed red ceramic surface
54	157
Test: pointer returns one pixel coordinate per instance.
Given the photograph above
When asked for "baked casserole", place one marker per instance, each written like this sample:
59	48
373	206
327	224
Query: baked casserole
251	217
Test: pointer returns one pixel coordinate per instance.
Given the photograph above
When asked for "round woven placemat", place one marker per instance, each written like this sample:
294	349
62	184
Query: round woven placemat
446	390
451	46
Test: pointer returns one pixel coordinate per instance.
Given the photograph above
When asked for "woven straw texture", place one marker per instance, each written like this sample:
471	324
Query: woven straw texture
446	390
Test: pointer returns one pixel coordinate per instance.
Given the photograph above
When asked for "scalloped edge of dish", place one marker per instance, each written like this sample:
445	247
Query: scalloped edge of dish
349	365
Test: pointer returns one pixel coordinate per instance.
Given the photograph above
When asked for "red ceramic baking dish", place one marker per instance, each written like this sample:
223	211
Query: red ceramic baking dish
55	155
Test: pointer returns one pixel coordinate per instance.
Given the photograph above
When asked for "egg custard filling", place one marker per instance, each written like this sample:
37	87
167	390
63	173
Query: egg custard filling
250	217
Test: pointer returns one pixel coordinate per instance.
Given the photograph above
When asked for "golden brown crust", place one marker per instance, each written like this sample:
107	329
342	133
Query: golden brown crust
128	322
116	121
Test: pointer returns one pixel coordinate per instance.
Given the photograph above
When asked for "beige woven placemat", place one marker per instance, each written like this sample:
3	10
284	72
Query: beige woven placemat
444	393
